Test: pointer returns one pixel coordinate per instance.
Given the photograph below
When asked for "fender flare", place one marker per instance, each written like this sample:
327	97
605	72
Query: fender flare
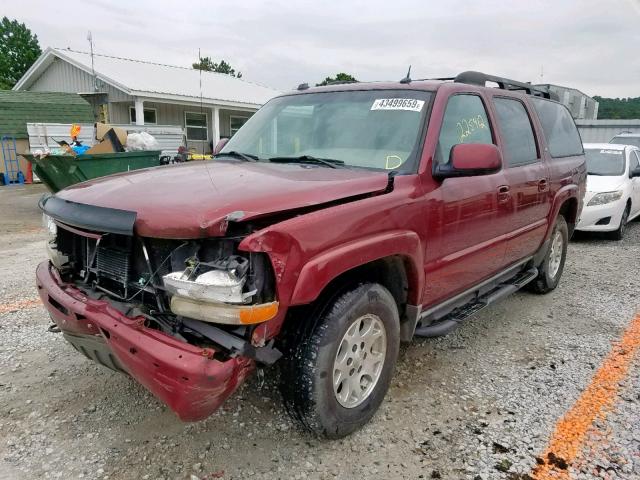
565	193
320	270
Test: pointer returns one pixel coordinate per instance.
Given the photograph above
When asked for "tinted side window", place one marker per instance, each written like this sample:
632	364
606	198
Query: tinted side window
559	128
514	124
465	121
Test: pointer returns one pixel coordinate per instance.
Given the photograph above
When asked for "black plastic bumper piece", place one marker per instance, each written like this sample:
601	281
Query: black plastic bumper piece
95	348
232	343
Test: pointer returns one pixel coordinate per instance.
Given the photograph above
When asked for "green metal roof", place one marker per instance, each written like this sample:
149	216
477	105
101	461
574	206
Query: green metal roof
19	108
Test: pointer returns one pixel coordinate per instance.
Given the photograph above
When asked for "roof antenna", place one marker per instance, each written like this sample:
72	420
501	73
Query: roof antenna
407	79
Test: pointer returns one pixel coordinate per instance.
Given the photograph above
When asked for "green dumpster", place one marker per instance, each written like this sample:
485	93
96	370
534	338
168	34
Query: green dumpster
60	171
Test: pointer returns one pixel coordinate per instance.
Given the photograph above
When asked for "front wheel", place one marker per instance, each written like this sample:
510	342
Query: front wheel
338	372
550	270
619	233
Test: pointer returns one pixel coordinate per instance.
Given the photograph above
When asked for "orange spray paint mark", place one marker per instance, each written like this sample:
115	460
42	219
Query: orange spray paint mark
595	402
19	305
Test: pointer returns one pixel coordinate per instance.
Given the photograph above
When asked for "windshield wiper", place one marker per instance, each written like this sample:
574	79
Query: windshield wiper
329	162
247	157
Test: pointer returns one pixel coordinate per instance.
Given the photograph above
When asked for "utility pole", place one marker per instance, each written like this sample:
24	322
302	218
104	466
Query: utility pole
93	70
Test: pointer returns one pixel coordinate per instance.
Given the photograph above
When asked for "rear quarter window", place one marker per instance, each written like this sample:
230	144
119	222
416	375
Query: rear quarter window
559	128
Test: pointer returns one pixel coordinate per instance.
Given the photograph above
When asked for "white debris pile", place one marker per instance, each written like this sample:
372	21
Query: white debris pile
141	141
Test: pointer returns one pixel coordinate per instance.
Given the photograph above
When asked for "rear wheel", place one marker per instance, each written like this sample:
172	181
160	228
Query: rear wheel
619	233
338	372
550	270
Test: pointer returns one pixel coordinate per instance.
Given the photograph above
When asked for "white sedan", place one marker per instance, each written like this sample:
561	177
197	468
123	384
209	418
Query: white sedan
613	188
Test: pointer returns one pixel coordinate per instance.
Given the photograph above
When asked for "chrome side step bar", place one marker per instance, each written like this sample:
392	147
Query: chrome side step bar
452	320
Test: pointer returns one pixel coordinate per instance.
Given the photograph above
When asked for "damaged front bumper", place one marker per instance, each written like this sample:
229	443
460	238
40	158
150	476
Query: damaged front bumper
187	378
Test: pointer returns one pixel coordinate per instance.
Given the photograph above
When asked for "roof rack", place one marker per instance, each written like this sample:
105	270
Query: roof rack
479	78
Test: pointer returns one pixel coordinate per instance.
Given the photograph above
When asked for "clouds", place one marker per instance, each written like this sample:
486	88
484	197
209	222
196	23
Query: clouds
588	44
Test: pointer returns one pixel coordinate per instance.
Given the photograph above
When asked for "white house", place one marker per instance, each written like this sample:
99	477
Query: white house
208	105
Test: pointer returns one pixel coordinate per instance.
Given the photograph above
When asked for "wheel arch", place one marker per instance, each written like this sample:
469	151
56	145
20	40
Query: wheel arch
394	260
394	254
569	210
567	204
396	273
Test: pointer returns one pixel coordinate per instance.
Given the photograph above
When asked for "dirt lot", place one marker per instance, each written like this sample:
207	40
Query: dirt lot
523	379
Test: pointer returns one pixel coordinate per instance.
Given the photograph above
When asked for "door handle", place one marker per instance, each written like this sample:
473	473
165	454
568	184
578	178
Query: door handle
504	193
543	185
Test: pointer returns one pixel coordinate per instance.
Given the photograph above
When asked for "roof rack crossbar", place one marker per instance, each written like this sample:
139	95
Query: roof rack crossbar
479	78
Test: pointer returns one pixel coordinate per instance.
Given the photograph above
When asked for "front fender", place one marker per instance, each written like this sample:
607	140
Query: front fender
317	272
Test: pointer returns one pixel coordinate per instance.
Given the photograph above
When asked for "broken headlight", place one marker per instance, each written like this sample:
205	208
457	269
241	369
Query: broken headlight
50	225
216	292
57	259
219	281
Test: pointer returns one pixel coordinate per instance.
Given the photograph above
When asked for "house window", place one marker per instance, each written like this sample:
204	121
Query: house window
196	126
150	115
235	123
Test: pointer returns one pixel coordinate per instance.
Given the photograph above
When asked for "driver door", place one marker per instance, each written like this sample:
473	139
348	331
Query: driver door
468	215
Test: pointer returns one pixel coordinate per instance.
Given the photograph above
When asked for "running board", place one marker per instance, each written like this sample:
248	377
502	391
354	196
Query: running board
452	320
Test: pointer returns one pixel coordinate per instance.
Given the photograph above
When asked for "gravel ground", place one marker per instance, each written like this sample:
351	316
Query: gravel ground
480	403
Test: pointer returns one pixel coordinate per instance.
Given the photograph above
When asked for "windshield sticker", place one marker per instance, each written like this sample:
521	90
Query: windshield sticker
612	152
409	104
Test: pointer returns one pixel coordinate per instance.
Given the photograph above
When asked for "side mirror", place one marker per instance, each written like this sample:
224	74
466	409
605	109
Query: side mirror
635	172
471	159
220	145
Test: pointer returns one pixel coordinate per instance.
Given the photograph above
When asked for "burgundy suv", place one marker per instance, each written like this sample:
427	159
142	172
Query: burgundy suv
338	222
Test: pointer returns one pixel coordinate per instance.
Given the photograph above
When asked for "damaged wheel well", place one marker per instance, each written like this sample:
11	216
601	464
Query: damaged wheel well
390	272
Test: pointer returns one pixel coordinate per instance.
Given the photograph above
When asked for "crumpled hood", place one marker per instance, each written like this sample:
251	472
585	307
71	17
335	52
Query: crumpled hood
196	199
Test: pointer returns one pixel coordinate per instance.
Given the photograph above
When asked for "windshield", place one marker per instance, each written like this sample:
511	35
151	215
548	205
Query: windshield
635	141
372	129
604	162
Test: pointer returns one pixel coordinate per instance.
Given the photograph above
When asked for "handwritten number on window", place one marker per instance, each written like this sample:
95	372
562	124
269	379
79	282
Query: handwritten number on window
467	126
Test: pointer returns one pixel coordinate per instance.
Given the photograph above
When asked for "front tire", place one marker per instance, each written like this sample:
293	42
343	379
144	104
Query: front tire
550	270
338	372
619	233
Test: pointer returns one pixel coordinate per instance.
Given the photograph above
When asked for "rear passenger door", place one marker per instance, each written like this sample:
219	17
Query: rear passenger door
563	153
527	177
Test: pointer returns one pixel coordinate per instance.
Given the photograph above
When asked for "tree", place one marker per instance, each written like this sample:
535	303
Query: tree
209	65
19	48
339	78
618	108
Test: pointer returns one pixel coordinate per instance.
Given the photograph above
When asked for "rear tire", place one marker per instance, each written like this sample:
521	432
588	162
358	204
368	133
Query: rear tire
338	371
619	233
550	270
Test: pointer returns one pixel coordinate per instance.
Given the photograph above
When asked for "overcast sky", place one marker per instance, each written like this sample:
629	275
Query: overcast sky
592	45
